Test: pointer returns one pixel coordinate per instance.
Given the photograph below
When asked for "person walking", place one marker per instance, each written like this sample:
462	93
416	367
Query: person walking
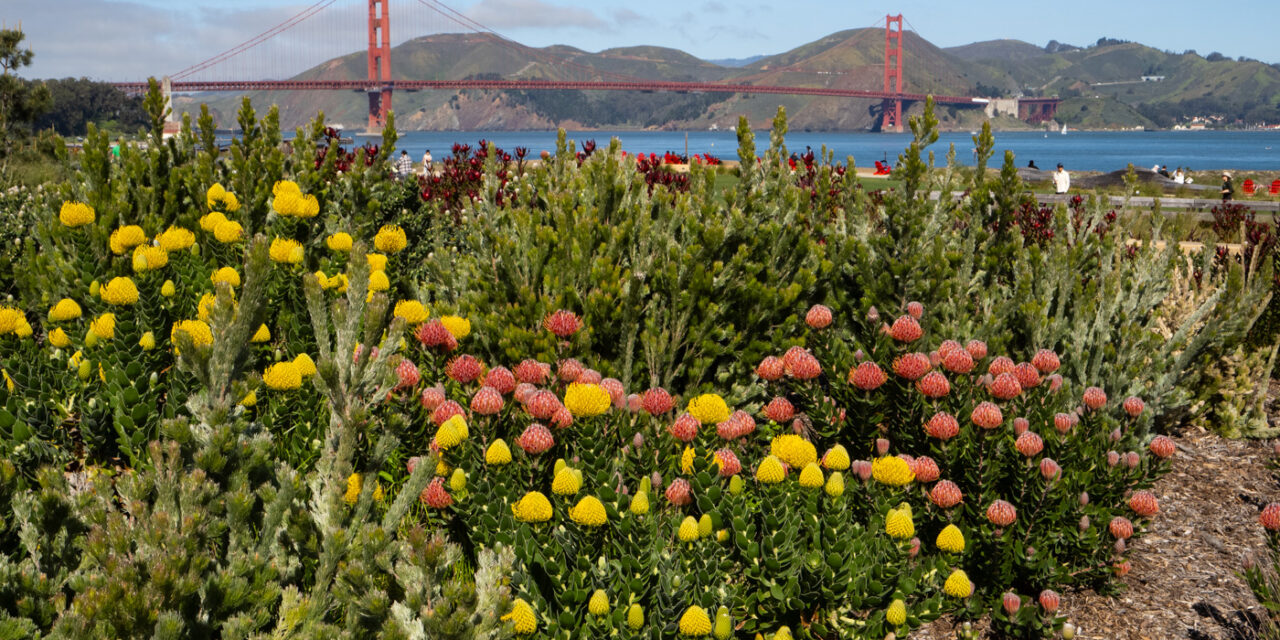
1061	180
426	163
1227	190
403	166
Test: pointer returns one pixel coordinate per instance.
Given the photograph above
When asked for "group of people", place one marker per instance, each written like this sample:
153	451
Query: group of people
1179	176
404	165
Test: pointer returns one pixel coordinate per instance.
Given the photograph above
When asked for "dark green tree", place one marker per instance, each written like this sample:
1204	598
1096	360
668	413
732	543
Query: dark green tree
21	101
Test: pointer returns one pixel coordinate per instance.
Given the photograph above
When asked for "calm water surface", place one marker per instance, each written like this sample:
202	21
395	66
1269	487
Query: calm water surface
1080	151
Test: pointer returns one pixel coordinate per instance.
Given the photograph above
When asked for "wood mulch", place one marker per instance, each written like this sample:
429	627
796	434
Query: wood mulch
1185	568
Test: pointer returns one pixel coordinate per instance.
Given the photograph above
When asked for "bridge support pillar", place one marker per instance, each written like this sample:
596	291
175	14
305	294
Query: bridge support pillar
379	63
891	114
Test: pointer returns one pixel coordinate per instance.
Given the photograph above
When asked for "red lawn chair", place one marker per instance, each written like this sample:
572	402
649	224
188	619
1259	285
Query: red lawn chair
1275	188
1249	187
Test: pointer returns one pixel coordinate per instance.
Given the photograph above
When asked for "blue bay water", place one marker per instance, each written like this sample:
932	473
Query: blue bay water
1078	151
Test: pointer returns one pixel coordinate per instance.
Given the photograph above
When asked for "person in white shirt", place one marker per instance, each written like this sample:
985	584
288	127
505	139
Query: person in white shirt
1061	180
426	163
1178	176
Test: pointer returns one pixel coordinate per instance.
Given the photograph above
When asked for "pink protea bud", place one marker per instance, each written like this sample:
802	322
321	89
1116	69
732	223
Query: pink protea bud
1119	546
464	368
655	479
1001	513
1011	602
685	428
729	463
1113	458
412	464
678	492
1049	600
1027	375
1133	405
501	379
562	419
542	405
905	329
1120	527
958	361
446	410
801	364
562	323
867	376
1084	498
1045	361
935	359
523	392
914	549
569	369
925	469
1005	386
999	365
531	372
779	410
406	374
948	347
1122	568
977	349
432	397
637	441
434	334
1144	504
915	309
487	401
911	365
1084	523
882	446
1095	398
862	468
859	356
946	494
942	426
1020	426
818	317
1049	468
1115	435
910	460
616	392
873	315
536	439
934	385
657	401
987	415
1063	422
738	425
1270	516
589	376
1029	444
1055	383
435	496
1162	447
635	403
1132	459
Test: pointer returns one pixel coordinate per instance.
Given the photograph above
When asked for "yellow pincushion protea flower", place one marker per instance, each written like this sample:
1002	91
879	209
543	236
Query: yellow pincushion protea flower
228	232
147	341
8	382
586	400
688	531
176	239
458	480
306	366
197	330
589	512
340	241
896	614
522	617
640	504
892	470
378	281
412	311
533	507
811	476
950	539
149	258
204	308
11	319
566	482
250	399
498	453
457	326
377	261
217	197
282	376
958	585
168	289
59	338
285	251
837	458
211	220
64	310
104	326
705	525
898	524
120	292
263	334
635	617
448	436
227	275
708	408
770	471
76	214
287	197
390	238
309	208
126	238
695	622
686	460
835	485
793	450
598	605
354	485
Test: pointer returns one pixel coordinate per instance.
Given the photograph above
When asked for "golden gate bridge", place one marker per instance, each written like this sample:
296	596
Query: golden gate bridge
228	70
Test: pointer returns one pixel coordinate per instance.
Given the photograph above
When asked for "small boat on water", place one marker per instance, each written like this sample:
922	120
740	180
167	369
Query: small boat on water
1064	128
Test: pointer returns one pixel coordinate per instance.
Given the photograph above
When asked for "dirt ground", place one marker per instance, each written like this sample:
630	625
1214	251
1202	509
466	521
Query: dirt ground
1185	568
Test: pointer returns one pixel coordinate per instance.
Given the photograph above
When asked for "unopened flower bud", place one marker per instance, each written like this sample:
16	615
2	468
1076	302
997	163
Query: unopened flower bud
1119	546
915	548
1068	631
638	441
873	315
882	446
1084	498
1084	523
1115	434
655	480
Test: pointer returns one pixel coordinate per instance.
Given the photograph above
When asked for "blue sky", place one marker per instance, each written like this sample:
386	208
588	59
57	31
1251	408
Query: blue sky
119	40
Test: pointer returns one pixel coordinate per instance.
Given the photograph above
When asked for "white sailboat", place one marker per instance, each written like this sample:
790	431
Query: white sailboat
1064	128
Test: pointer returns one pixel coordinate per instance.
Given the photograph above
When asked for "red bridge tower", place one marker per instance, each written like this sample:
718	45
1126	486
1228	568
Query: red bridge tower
379	88
891	108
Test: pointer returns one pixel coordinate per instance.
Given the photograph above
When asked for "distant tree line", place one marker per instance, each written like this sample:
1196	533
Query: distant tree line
77	102
1167	114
